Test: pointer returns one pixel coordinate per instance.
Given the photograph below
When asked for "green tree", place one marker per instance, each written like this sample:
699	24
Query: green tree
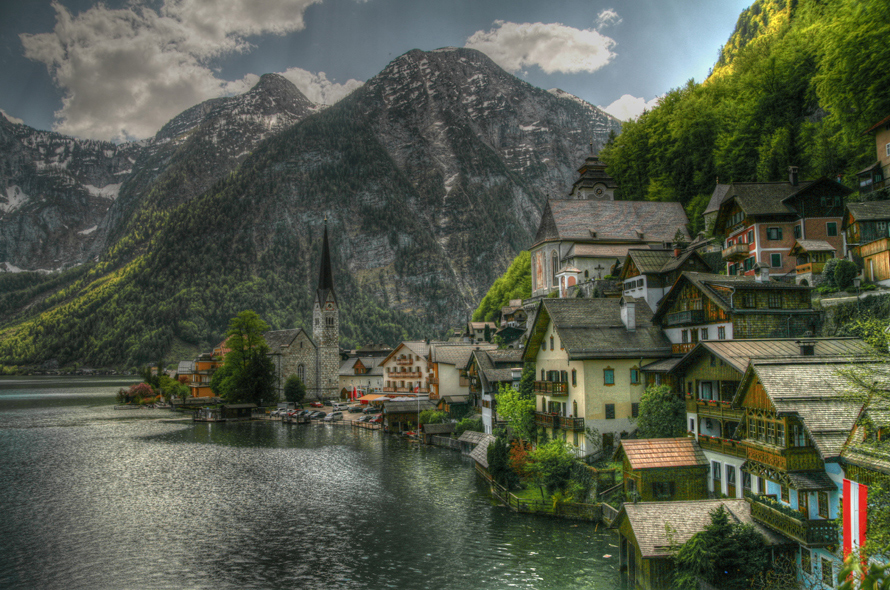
518	409
499	463
249	374
432	417
552	465
726	555
662	413
515	283
844	272
294	390
527	381
471	423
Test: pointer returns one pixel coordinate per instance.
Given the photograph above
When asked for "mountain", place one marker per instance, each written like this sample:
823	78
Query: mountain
67	199
432	176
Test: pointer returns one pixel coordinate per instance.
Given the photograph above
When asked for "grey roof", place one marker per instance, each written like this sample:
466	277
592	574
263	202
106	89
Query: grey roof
738	353
588	221
480	452
473	437
811	481
660	261
455	399
455	353
870	210
496	366
815	391
592	328
717	198
410	407
764	198
185	367
444	428
811	246
661	366
650	522
347	367
278	338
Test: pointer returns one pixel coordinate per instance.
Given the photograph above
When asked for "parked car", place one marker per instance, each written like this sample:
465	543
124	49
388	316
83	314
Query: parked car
376	419
317	405
317	415
355	409
364	418
333	416
371	410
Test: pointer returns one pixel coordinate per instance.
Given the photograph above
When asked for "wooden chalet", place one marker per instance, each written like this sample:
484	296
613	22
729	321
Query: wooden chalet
650	532
663	469
701	307
649	273
398	414
486	371
811	256
874	177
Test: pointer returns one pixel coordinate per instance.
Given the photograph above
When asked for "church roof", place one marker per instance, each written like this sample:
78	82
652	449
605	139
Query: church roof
325	274
275	339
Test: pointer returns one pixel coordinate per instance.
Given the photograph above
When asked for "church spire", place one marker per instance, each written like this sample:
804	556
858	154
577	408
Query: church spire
325	275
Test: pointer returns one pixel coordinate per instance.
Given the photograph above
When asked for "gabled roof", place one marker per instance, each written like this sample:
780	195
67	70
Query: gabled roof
622	221
480	452
814	390
657	453
473	437
806	246
660	261
706	282
770	198
372	363
275	339
456	354
717	198
185	367
419	348
495	366
870	210
592	328
650	520
738	353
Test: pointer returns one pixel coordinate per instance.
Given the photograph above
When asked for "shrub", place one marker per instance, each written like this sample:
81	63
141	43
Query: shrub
828	272
844	271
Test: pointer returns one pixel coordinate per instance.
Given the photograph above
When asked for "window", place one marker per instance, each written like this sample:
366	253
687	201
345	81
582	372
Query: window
774	233
564	377
635	376
822	500
551	343
803	503
634	410
751	236
684	336
798	436
609	376
887	150
574	377
542	375
831	228
692	425
733	269
775	260
730	475
721	333
786	497
797	233
749	263
749	301
827	573
663	490
806	561
329	322
610	411
704	333
554	264
544	345
746	480
716	470
774	300
301	373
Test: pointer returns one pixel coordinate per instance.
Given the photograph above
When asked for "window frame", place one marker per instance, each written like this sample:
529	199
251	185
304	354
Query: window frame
774	234
831	229
610	411
773	257
609	376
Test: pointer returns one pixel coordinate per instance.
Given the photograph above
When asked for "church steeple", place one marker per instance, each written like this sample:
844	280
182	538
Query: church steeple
325	275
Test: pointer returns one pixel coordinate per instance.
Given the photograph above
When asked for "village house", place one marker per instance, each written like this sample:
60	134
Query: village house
650	532
479	332
702	307
867	230
407	369
448	363
649	273
810	257
587	355
874	177
760	221
487	370
663	469
362	374
709	376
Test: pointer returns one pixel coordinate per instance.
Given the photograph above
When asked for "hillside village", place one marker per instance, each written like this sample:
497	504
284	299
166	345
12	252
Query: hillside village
623	298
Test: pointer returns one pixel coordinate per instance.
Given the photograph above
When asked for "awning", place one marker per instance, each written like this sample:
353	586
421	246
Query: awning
366	399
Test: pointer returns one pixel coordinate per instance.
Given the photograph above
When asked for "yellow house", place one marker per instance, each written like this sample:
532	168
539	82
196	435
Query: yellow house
587	355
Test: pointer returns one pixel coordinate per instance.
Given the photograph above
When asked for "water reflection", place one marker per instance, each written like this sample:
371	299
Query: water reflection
98	498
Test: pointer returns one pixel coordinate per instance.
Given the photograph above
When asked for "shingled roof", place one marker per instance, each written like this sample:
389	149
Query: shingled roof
456	354
870	210
278	338
630	221
770	198
814	390
592	328
717	198
656	453
650	520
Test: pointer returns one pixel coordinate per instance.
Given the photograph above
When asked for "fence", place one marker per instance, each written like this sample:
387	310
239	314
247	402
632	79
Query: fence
445	441
573	510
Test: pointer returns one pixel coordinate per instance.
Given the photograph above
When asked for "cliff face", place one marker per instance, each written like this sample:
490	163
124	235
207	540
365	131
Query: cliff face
432	176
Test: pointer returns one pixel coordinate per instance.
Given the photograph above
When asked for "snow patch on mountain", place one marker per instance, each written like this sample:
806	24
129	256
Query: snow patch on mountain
109	191
15	198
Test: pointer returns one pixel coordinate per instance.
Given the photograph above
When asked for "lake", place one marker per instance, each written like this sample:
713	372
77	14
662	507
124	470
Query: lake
103	498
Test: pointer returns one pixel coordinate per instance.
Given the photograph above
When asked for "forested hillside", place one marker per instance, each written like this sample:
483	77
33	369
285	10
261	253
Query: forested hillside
797	84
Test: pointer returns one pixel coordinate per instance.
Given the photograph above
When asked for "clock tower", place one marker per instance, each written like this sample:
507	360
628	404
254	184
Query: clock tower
326	327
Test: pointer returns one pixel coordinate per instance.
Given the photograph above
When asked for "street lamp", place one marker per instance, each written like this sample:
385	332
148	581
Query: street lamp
856	282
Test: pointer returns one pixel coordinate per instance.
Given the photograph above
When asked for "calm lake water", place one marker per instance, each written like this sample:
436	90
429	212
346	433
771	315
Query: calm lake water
102	498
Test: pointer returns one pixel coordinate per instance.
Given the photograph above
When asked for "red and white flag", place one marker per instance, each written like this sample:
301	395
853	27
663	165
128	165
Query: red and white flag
855	515
417	389
354	392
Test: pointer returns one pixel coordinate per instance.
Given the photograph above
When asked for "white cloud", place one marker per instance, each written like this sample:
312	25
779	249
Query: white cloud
630	107
553	47
125	72
607	18
317	87
11	118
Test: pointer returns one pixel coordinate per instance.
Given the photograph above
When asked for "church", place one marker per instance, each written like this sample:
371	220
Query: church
314	359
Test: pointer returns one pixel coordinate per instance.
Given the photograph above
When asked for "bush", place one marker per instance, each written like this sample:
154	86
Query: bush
828	272
844	271
471	423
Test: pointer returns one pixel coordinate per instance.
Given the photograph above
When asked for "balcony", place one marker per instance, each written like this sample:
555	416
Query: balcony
433	380
571	423
812	533
406	375
796	459
736	252
546	420
813	267
721	410
733	448
551	388
682	348
404	362
691	316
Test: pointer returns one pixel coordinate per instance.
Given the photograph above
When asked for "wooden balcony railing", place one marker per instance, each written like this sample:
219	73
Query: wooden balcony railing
733	448
813	267
718	409
406	375
812	533
551	388
571	423
555	421
736	252
691	316
682	348
797	459
433	380
546	420
404	362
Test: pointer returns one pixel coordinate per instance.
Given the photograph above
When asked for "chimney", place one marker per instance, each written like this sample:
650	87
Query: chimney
629	314
792	175
676	250
807	347
761	273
